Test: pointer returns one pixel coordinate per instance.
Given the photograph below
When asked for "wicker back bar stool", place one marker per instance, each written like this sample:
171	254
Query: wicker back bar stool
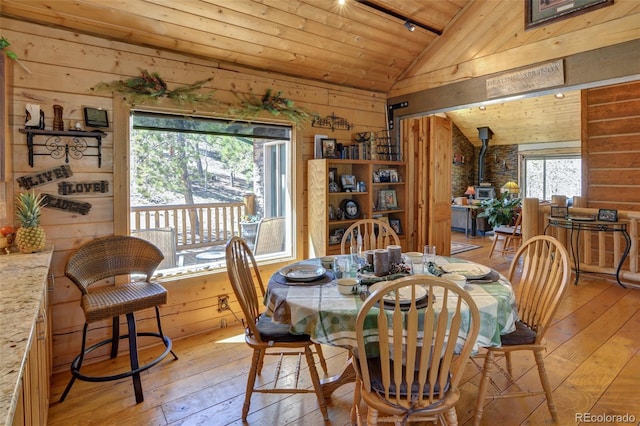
107	258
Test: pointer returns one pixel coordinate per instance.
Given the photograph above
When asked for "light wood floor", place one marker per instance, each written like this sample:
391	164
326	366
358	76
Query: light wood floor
593	362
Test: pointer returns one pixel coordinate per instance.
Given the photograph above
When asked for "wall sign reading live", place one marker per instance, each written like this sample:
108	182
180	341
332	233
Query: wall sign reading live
73	188
53	202
44	177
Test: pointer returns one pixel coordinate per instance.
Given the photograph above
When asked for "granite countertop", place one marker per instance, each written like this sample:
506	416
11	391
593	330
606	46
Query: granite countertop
23	278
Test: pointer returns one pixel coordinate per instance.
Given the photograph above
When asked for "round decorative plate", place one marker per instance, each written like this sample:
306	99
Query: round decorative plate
469	270
302	272
350	208
404	293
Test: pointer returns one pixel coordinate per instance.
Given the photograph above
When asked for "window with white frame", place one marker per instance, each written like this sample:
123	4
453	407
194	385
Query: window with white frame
547	175
197	181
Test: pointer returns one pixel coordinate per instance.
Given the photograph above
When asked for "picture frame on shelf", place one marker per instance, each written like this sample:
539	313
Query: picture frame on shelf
96	117
559	212
376	177
384	219
387	199
393	175
396	225
333	174
317	145
329	148
348	182
333	180
384	175
336	237
607	215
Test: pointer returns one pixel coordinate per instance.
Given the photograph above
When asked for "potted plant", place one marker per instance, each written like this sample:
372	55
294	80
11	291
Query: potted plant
249	227
500	210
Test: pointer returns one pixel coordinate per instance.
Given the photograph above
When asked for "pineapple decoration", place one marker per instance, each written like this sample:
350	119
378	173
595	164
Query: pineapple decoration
30	236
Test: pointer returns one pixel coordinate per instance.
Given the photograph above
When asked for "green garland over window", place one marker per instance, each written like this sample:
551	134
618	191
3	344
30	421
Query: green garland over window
150	87
276	105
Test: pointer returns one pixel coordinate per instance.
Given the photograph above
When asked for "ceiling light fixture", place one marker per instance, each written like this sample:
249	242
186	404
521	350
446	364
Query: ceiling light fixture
559	95
408	25
482	107
404	19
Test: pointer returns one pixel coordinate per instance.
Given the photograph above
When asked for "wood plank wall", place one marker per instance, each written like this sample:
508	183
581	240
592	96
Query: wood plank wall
611	146
64	66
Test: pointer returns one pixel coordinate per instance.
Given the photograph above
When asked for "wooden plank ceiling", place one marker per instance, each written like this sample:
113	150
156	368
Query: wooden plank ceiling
354	45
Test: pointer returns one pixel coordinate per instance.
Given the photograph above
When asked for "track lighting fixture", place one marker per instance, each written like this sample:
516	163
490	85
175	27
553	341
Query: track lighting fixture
408	25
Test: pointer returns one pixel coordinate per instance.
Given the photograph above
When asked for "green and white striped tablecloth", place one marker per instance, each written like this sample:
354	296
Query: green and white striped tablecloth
329	317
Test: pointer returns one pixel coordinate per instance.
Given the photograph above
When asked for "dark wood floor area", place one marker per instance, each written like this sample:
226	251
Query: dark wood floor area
593	362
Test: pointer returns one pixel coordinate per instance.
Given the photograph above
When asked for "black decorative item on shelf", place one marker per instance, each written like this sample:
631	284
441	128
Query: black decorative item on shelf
331	122
64	144
350	208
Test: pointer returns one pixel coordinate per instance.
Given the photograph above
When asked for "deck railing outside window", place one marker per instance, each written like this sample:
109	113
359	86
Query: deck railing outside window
197	227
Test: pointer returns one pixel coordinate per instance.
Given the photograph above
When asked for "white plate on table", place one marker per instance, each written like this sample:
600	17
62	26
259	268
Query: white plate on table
469	270
302	272
405	293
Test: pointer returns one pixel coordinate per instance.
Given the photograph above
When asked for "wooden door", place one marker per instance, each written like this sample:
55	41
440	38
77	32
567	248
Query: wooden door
429	157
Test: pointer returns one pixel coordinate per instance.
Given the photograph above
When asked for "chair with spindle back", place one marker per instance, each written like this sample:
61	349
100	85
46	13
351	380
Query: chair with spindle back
539	273
412	354
262	334
374	234
509	235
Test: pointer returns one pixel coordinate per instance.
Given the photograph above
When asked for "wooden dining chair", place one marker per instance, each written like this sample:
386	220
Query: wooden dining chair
411	354
256	273
511	237
539	273
374	234
265	337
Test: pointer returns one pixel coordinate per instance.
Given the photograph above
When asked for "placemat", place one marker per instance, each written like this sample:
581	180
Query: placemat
324	279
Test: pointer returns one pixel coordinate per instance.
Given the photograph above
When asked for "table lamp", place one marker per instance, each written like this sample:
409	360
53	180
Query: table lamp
470	192
511	187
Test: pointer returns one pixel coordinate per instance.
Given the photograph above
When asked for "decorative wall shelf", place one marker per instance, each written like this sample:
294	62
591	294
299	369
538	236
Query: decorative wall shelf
332	122
64	144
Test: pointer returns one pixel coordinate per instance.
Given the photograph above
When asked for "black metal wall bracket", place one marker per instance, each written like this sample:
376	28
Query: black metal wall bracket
64	144
391	108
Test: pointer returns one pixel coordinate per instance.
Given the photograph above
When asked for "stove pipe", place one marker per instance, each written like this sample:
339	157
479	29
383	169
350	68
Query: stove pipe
484	133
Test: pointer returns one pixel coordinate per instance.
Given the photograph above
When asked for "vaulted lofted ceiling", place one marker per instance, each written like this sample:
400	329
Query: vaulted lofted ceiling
354	45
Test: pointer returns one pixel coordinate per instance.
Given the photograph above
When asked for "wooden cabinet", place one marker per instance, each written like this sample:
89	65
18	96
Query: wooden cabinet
33	397
379	192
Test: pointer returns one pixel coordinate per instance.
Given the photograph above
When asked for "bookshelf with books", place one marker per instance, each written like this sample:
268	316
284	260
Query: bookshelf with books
342	191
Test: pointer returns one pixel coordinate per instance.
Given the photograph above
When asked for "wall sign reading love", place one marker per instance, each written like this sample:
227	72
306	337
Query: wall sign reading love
72	188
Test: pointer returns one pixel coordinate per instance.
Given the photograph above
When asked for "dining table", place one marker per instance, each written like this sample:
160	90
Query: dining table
315	307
